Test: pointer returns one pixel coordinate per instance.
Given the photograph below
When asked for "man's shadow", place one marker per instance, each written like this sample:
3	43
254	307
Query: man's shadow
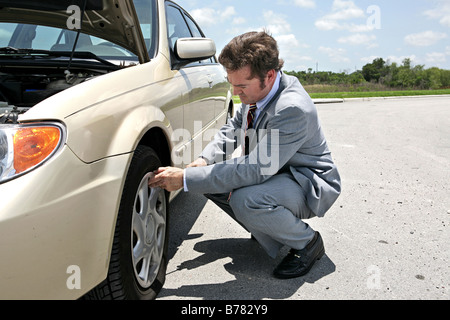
251	266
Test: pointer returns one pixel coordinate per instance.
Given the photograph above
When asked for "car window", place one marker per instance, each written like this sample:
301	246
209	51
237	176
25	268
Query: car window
181	25
145	10
176	26
27	36
194	29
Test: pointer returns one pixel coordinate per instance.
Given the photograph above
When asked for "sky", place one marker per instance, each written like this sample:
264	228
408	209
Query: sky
335	35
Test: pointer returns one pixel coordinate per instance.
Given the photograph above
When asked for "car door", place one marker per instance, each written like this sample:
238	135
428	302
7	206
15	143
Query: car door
200	80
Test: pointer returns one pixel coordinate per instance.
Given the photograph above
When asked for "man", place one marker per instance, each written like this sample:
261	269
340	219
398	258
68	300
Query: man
285	175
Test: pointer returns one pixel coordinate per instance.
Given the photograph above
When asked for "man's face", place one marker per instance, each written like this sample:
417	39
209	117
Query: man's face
249	89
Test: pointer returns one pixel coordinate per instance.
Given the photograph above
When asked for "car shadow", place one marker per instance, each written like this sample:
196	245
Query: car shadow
250	265
184	212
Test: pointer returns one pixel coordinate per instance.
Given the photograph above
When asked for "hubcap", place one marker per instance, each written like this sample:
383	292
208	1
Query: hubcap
148	232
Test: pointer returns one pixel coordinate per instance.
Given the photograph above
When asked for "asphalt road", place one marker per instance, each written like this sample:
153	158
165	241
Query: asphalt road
387	237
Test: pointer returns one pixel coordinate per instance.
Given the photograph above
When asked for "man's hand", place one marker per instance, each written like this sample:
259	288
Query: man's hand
171	178
168	178
200	162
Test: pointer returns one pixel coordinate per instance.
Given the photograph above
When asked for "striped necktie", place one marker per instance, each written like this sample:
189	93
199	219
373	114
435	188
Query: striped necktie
250	124
251	116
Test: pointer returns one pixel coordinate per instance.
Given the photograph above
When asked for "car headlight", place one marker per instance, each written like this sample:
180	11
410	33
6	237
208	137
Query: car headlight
25	147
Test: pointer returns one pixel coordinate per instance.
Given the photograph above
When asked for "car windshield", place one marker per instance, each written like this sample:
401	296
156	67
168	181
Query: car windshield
38	37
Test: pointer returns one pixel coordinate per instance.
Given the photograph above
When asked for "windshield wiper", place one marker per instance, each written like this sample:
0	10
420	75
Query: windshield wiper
9	50
56	54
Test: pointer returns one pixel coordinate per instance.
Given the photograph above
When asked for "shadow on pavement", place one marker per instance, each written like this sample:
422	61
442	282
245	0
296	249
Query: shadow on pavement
250	265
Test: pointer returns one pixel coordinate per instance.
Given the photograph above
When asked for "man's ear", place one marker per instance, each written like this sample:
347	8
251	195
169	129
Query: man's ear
271	75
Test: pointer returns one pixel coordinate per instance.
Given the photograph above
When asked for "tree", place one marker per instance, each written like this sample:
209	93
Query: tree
434	78
372	72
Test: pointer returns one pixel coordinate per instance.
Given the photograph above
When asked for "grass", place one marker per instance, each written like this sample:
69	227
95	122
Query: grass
368	94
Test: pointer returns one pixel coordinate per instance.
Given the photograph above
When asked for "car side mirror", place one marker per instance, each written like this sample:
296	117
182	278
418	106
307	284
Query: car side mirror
189	50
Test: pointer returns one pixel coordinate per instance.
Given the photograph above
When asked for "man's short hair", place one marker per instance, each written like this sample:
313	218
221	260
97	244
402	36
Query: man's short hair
258	50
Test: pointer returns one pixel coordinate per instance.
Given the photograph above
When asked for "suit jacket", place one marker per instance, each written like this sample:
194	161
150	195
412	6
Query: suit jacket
287	138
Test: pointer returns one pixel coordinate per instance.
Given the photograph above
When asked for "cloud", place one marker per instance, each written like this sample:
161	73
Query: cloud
399	59
441	12
239	20
390	59
360	39
335	55
277	23
342	11
424	39
310	4
435	58
290	50
288	40
208	17
369	59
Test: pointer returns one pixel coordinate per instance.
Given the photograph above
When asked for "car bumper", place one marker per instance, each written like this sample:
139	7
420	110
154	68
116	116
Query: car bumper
56	227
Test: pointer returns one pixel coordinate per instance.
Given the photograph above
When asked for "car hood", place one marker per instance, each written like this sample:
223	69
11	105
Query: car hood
112	20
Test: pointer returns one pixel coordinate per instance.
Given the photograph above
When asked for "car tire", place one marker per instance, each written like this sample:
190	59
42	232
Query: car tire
137	268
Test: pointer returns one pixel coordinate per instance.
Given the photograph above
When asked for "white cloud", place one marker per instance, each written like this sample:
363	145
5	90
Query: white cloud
277	23
441	12
342	11
335	55
360	39
369	59
239	20
424	39
206	17
399	59
305	3
291	50
288	40
229	12
290	47
435	57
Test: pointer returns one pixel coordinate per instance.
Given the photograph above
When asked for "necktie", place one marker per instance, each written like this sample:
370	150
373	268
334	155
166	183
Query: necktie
250	123
251	116
250	119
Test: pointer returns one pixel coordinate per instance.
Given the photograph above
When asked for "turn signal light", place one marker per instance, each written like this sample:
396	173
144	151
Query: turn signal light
33	145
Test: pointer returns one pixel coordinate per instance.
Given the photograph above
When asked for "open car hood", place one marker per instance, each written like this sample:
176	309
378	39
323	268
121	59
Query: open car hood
112	20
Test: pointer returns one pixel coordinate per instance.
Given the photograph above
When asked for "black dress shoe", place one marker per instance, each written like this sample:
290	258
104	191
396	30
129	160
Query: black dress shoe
298	262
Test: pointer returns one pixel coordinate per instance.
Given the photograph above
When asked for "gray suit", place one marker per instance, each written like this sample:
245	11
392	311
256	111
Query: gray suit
289	174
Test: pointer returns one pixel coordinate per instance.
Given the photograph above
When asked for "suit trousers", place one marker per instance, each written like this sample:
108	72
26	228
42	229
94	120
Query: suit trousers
272	212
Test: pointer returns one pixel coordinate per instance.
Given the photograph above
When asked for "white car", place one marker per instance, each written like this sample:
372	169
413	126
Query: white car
94	96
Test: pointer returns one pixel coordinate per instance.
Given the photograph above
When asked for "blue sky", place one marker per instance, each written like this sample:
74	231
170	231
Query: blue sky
335	35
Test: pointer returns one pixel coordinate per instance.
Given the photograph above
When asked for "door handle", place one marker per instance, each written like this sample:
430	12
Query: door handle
210	80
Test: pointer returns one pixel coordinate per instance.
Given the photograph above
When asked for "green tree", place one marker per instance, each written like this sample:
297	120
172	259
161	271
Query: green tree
434	78
372	72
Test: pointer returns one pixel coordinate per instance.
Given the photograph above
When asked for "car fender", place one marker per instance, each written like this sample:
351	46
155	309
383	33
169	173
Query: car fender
107	135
